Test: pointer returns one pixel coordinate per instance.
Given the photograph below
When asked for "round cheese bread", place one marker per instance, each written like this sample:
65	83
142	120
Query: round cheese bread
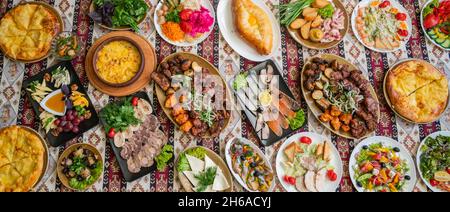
417	91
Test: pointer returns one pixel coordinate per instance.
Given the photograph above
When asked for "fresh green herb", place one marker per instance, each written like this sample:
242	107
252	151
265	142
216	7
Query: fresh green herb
119	116
429	8
327	11
208	117
164	157
173	16
99	3
298	120
240	81
125	12
33	85
206	178
77	167
290	11
80	110
183	163
435	156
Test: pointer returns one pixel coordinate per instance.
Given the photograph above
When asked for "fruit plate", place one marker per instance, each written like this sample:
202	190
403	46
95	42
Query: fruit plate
84	126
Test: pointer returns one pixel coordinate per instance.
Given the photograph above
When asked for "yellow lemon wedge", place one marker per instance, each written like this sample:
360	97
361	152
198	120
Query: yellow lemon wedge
442	176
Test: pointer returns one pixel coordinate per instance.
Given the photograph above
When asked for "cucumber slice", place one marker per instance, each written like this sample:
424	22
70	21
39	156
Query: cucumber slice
431	33
439	40
433	36
446	44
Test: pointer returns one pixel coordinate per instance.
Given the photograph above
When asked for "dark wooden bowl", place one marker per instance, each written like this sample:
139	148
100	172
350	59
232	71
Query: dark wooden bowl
138	73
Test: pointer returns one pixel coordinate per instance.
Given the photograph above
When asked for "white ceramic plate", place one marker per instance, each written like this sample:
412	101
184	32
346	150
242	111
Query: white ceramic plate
258	151
423	28
395	4
404	155
234	39
206	4
419	153
336	161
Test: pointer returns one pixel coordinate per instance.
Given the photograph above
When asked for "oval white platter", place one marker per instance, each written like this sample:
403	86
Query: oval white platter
258	151
231	35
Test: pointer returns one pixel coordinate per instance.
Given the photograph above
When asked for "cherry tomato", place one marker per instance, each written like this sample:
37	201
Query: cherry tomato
305	140
286	178
385	4
400	16
112	133
331	175
134	101
402	32
292	180
377	156
383	190
433	182
448	170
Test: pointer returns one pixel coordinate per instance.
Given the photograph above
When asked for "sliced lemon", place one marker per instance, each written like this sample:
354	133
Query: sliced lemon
442	176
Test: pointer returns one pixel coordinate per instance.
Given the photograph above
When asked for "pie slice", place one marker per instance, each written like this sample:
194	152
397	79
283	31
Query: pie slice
8	27
418	91
44	20
254	25
10	179
23	15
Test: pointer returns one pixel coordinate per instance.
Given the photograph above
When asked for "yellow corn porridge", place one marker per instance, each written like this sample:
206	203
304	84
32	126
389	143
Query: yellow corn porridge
118	62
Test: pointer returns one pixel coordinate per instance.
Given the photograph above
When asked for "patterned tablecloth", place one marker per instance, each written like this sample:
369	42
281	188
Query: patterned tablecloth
15	107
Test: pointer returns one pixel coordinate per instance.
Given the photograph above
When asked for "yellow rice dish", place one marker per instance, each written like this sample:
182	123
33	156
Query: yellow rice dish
118	62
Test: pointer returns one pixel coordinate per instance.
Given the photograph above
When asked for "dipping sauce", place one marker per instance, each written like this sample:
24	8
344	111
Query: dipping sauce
56	103
118	62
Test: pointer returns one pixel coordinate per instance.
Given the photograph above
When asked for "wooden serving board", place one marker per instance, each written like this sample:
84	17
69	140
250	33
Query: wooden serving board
150	65
317	45
388	100
186	184
203	63
316	110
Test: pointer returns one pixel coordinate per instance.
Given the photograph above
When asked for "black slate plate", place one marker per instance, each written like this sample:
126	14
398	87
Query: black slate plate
283	88
127	175
84	126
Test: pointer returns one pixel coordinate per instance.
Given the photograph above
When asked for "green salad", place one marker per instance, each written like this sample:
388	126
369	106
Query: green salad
435	161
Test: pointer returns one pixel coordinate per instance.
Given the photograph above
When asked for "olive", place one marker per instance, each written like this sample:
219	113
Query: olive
396	149
383	165
407	177
359	184
365	147
257	174
80	178
242	157
253	164
66	170
93	166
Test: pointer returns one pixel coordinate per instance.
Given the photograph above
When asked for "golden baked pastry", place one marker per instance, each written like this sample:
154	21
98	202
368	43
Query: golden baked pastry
417	91
21	159
254	25
26	32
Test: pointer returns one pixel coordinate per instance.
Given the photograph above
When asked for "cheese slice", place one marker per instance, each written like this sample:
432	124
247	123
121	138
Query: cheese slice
220	182
191	177
196	164
209	163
